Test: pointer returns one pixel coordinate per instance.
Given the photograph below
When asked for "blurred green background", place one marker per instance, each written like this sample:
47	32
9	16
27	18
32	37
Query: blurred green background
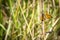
22	20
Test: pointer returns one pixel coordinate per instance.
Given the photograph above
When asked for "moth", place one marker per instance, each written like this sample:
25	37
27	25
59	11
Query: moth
45	16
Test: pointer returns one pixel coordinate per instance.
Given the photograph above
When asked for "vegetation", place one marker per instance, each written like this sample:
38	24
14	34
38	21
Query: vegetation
29	19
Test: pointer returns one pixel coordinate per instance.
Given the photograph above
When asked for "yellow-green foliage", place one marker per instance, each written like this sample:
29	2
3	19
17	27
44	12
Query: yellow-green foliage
20	19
